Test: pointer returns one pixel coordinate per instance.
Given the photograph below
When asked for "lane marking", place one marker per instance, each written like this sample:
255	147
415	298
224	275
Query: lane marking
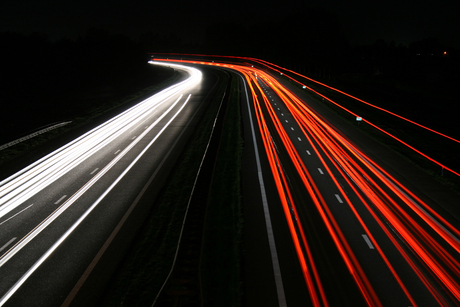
300	140
60	199
338	198
369	243
292	128
16	214
286	121
308	153
268	223
116	152
282	114
95	170
8	243
133	137
320	171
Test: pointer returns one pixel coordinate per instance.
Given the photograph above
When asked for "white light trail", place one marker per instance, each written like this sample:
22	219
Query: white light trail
26	183
37	264
24	241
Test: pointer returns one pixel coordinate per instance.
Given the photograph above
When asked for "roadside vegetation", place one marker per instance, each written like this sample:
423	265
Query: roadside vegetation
222	252
144	269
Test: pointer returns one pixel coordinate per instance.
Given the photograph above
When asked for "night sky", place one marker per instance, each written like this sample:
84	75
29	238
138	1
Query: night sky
362	21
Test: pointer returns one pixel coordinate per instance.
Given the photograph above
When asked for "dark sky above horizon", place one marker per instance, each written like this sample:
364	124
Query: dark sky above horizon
363	21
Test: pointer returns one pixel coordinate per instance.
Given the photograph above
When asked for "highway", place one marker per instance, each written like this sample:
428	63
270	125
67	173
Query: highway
59	214
326	224
361	238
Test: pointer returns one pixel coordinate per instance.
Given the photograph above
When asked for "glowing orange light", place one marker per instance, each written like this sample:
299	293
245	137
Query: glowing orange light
414	224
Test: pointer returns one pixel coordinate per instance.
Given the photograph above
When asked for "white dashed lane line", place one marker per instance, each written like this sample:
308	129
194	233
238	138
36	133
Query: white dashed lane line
7	243
95	170
369	243
320	171
338	198
60	199
308	152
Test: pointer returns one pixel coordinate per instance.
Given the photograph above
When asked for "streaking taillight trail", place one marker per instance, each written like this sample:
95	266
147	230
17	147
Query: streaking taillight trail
426	241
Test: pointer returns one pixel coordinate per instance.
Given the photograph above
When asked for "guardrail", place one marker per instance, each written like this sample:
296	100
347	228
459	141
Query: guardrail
33	134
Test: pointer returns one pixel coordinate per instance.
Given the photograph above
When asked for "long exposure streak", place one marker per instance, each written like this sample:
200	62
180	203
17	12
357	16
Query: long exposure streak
425	240
280	70
21	186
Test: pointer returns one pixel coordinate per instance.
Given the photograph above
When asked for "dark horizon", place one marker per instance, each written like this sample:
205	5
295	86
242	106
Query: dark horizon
60	48
360	22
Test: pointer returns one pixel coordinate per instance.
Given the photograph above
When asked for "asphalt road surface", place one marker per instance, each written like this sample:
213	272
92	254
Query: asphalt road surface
330	226
59	216
331	216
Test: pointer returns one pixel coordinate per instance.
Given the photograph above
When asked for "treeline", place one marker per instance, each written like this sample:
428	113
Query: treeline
36	63
425	61
318	47
43	81
313	42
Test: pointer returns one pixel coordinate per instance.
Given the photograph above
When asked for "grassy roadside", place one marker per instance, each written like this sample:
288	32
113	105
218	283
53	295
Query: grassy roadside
140	277
83	117
222	251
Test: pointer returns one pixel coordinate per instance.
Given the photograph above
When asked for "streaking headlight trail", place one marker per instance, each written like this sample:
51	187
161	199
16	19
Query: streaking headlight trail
21	186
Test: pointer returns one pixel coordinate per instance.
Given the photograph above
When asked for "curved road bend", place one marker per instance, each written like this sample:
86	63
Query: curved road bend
56	216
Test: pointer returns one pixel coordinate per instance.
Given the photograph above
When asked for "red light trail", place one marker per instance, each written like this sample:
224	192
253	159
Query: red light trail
426	241
279	69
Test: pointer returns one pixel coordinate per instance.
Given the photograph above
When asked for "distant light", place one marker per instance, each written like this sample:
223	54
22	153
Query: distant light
281	74
358	119
304	87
